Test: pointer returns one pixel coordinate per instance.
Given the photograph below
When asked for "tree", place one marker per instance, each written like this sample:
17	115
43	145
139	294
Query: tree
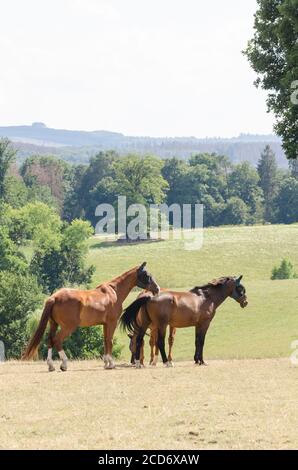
287	201
73	206
140	179
267	170
273	54
236	212
86	179
284	271
62	263
34	221
136	177
16	192
7	156
293	164
174	172
11	259
244	184
49	172
206	183
19	296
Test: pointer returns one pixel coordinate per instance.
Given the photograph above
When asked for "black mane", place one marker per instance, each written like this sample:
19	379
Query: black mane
215	283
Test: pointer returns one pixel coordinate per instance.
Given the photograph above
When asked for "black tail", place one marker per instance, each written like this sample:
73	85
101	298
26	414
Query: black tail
128	320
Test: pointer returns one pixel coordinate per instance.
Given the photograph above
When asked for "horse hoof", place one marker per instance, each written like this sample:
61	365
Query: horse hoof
109	366
63	368
51	367
201	363
168	364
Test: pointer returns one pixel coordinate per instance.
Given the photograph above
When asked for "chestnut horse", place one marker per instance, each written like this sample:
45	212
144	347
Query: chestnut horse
73	308
179	310
154	351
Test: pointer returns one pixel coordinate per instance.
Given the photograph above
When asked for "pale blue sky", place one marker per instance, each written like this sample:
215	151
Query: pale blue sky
141	67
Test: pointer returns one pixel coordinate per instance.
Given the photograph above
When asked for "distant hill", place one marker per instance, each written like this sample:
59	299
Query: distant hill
79	146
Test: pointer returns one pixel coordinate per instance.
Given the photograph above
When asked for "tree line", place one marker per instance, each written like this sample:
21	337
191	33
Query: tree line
231	193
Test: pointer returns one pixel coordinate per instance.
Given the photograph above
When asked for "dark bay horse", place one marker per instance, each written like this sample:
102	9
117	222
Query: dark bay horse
73	308
154	351
179	310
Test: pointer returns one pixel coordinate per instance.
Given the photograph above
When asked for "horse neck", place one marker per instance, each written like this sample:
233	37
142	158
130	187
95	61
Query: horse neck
220	294
124	284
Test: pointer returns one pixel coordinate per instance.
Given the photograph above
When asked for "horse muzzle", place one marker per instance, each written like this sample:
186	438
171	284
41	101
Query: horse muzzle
243	303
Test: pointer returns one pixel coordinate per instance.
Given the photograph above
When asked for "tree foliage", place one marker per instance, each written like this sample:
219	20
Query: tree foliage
20	295
284	271
62	263
7	156
267	170
273	54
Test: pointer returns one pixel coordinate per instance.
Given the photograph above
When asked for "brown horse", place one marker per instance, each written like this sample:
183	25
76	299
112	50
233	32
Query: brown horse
179	310
73	308
154	351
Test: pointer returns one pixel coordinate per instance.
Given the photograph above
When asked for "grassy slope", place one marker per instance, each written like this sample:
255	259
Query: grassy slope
265	328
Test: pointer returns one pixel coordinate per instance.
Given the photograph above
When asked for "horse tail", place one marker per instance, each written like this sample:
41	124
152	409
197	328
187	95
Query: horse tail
36	338
128	320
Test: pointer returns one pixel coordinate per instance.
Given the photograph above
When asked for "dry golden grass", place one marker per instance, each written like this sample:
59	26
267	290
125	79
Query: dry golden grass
232	404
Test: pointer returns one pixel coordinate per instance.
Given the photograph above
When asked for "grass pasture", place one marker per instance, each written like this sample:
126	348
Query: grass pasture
231	404
265	329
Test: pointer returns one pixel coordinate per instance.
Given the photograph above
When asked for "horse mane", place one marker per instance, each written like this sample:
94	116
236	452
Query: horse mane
204	289
116	279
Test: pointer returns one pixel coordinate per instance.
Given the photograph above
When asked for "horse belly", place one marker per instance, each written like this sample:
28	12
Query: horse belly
184	317
91	316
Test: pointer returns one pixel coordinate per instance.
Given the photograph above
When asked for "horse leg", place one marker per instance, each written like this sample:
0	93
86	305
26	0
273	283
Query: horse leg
154	347
200	340
142	354
140	341
161	344
108	345
52	332
62	334
132	348
171	342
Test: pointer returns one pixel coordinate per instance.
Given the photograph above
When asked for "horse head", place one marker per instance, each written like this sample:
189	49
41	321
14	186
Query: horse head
146	281
239	292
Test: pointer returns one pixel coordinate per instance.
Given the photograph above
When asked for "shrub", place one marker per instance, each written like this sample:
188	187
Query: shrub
284	271
19	296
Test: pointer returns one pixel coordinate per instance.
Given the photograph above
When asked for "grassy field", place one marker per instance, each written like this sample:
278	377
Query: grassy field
264	329
231	404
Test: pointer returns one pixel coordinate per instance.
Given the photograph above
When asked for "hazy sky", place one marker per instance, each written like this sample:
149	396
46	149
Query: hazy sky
141	67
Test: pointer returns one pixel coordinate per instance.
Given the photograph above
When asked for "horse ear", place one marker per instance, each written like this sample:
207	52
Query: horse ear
143	265
239	279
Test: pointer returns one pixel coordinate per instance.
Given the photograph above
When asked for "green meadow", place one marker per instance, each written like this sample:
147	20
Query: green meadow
266	328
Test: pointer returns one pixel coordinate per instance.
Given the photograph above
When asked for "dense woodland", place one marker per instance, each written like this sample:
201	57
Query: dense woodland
231	193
